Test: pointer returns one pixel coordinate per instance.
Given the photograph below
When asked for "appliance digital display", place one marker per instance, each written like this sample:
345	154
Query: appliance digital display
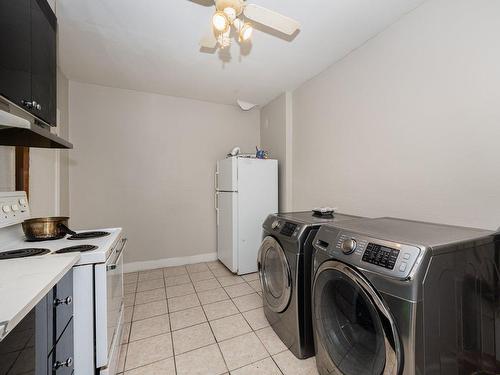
288	229
380	255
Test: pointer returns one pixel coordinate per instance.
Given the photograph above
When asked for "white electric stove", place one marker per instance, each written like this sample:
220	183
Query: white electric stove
97	282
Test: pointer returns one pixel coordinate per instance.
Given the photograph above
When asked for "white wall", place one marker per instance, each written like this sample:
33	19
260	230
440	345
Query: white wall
146	162
7	165
275	137
409	124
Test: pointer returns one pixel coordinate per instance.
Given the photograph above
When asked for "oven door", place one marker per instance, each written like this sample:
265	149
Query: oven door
354	331
109	304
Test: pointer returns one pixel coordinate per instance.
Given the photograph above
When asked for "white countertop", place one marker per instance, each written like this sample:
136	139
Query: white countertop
24	282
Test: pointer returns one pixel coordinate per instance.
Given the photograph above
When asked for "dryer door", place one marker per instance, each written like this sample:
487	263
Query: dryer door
354	331
275	275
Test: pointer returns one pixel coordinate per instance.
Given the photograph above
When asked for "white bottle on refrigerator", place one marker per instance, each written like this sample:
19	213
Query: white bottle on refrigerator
246	192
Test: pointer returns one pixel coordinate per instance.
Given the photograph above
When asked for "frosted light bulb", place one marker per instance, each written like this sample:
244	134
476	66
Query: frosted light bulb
220	22
246	32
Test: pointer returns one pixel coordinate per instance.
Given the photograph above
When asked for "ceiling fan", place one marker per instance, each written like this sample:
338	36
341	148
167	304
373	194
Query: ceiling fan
231	15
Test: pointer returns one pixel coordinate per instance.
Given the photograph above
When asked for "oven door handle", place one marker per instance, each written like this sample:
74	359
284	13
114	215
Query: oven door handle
113	266
124	243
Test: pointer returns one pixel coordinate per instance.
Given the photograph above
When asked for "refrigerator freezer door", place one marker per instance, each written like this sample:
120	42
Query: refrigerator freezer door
227	229
257	198
226	177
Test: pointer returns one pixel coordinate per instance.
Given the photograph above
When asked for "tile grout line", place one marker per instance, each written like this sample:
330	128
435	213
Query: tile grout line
216	342
170	327
141	366
128	339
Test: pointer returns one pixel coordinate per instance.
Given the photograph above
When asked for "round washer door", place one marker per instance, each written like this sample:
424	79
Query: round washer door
354	332
275	275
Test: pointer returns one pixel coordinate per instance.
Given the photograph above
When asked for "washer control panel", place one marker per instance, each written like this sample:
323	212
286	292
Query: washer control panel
380	256
348	246
14	208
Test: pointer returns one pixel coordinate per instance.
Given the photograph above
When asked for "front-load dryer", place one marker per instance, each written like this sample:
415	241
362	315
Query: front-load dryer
284	264
392	296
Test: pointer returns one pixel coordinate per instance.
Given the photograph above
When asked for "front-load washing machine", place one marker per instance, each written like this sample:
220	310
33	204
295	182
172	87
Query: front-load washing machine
284	264
392	296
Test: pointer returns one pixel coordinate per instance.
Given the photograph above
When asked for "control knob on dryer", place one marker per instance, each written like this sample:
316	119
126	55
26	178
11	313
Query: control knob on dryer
276	224
348	246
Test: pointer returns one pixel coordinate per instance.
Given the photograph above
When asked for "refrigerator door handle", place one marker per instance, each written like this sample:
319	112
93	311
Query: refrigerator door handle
216	179
217	208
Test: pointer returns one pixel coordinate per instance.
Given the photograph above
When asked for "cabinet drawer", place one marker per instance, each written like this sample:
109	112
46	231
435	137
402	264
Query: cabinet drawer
60	309
60	360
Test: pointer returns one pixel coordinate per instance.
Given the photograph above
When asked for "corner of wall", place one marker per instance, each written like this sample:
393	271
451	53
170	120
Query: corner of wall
289	151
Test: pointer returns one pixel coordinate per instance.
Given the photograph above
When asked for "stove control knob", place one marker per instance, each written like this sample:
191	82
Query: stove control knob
348	246
15	207
6	209
22	201
276	224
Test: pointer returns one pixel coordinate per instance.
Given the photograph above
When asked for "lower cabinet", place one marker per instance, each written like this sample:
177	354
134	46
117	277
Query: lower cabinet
60	327
42	343
60	360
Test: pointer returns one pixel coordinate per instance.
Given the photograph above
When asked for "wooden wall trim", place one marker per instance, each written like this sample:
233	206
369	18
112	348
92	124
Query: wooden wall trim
23	169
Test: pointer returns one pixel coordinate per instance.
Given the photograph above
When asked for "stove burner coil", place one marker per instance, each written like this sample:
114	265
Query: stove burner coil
77	248
87	235
23	253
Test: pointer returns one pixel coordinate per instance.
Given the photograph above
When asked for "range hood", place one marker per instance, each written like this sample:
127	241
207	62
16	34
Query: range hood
20	128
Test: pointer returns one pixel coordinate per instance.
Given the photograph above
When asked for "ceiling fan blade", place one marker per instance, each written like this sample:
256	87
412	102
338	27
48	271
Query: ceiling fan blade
208	40
271	19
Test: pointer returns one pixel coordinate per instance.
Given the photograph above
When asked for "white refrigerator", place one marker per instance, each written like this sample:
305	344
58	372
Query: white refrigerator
246	192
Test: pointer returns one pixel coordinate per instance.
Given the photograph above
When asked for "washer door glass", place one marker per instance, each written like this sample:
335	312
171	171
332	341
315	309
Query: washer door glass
349	326
275	275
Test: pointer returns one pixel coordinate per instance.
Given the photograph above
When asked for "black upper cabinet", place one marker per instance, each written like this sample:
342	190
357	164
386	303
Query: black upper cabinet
15	44
43	60
28	62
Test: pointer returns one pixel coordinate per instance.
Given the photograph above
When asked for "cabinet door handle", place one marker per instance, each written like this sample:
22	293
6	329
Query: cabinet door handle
27	103
66	363
63	301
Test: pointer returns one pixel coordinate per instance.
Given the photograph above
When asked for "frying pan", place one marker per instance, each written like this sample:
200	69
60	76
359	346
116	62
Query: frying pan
46	228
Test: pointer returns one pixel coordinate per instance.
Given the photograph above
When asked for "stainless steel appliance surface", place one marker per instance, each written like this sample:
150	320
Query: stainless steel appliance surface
393	296
284	263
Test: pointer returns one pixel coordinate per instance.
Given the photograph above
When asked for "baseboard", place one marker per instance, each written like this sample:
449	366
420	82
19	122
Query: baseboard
168	262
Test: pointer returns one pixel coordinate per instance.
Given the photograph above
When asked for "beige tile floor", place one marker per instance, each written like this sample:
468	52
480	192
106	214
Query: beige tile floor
201	319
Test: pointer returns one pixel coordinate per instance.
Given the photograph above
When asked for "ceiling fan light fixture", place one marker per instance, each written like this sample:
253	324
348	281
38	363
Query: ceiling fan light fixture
220	22
224	39
246	32
230	13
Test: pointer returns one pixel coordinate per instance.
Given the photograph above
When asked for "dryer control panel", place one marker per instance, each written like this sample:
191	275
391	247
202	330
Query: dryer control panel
286	228
380	256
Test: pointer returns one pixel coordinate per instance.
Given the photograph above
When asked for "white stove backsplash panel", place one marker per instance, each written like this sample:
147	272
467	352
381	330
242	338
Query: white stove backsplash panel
14	208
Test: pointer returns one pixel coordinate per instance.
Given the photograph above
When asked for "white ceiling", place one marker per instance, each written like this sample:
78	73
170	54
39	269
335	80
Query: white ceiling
152	45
